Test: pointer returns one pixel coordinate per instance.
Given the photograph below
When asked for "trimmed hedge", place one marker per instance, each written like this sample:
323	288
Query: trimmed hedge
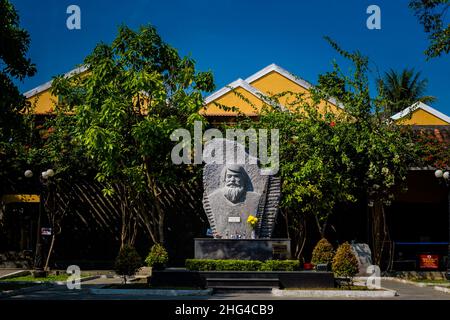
280	265
241	265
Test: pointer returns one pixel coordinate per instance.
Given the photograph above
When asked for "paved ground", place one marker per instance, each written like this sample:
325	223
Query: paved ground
406	292
4	272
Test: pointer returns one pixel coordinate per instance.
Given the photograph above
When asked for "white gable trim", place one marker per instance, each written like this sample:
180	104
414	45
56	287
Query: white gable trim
48	84
301	82
235	84
423	106
273	67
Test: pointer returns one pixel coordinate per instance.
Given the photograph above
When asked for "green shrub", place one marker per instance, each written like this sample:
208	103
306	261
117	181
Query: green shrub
201	264
157	257
222	265
238	265
345	263
127	262
323	253
241	265
280	265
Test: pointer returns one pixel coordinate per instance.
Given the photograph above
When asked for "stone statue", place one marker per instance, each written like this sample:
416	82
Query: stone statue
234	191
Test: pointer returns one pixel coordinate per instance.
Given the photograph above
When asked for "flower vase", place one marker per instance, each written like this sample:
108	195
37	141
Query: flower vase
253	235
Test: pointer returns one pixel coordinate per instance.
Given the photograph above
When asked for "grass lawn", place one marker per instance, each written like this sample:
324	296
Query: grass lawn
13	286
52	277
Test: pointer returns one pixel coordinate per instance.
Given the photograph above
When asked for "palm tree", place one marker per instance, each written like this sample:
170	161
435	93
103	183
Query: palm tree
401	90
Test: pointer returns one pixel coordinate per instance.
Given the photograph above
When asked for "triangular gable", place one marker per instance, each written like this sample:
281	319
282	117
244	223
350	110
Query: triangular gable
41	97
234	95
48	84
421	114
273	79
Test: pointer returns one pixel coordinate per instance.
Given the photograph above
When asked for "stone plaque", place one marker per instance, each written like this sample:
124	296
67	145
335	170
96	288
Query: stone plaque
279	249
234	219
364	255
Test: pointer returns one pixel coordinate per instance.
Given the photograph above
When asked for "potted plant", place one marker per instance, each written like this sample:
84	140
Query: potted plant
308	266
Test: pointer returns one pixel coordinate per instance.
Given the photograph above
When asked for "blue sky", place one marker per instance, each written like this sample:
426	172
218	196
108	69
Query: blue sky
235	38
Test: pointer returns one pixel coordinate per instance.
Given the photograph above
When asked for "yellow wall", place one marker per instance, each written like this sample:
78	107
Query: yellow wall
9	198
421	117
271	84
274	83
43	102
234	98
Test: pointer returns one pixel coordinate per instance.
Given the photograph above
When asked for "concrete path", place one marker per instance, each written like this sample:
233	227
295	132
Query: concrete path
406	292
4	272
411	292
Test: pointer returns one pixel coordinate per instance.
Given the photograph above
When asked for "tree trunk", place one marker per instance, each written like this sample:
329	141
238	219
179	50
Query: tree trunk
50	251
298	233
380	236
320	227
160	214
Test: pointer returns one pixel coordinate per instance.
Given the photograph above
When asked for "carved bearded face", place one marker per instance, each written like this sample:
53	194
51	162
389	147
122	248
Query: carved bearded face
234	184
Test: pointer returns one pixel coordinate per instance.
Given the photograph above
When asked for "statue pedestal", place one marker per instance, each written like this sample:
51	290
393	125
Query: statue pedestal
243	249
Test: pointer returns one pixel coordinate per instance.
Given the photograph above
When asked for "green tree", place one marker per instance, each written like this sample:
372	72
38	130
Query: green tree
329	158
58	149
128	262
401	90
136	92
432	14
14	43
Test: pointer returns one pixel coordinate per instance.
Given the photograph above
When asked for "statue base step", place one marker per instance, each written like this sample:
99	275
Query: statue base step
242	249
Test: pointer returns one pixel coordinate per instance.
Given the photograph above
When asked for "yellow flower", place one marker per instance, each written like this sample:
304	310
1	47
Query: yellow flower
252	220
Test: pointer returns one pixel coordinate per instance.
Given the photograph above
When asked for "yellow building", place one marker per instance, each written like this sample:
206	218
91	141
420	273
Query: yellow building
41	97
250	95
421	114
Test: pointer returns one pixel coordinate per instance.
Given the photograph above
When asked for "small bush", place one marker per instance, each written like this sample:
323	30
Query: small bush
345	263
127	262
323	253
157	257
280	265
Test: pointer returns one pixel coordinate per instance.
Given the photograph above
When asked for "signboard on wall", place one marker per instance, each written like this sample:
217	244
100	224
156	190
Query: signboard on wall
46	231
429	261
